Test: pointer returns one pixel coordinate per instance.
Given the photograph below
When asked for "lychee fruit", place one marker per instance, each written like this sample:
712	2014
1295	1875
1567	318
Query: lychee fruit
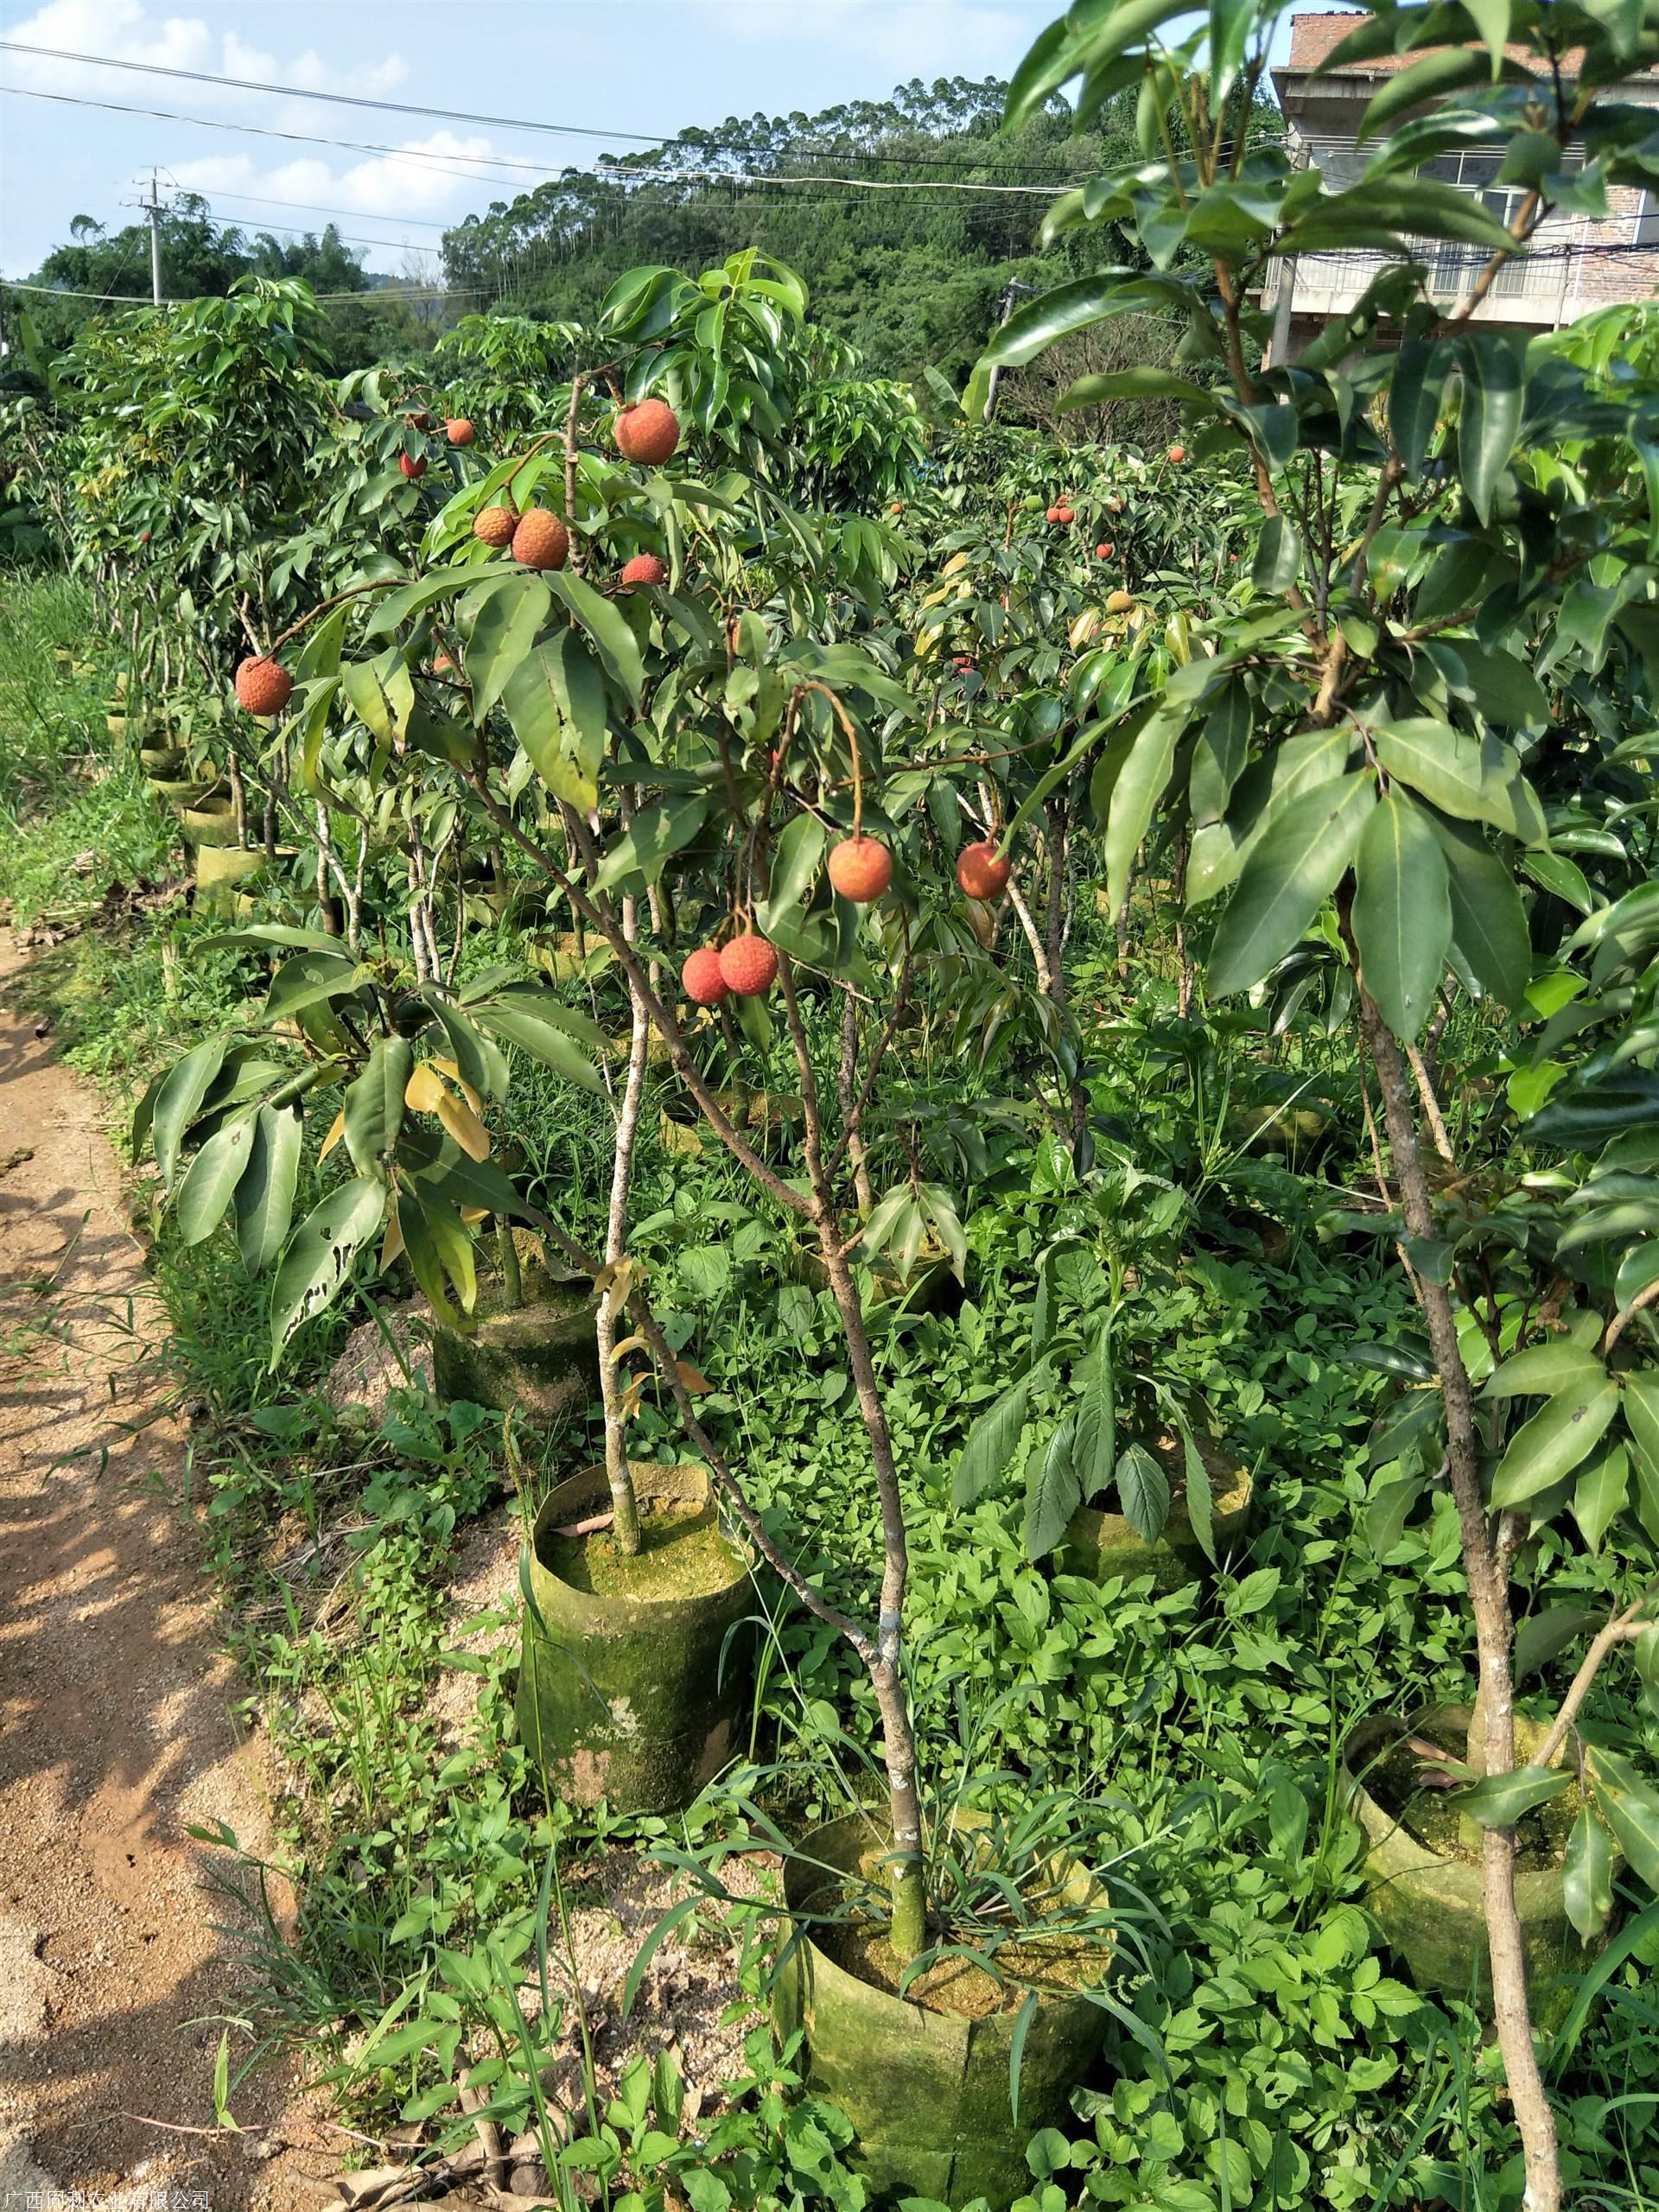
541	540
965	663
1065	517
263	687
861	868
459	432
982	872
649	433
144	537
421	421
1119	602
442	665
1103	552
748	965
412	464
644	568
495	526
1051	514
1178	453
704	980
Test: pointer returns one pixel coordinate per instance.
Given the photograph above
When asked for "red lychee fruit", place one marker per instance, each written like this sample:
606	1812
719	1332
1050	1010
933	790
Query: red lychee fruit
649	433
982	872
1103	552
702	979
861	868
263	687
459	432
1051	514
442	665
1178	453
421	421
495	526
1065	517
144	537
965	662
644	568
411	464
748	965
541	540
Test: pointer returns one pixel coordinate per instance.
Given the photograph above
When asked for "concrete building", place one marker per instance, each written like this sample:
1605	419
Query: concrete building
1575	264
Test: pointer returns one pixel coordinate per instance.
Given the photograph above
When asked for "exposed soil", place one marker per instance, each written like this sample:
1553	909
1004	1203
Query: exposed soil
115	1711
1403	1783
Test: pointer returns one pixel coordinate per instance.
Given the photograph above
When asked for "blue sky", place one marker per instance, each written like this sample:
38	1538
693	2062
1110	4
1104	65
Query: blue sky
651	67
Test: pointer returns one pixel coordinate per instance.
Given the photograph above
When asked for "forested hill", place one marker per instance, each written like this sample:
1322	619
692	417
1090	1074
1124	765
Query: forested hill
911	272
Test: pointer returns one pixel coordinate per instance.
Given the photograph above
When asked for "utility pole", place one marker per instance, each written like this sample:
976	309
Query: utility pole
1011	291
155	206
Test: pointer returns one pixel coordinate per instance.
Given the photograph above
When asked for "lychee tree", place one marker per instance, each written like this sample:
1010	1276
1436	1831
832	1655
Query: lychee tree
1405	738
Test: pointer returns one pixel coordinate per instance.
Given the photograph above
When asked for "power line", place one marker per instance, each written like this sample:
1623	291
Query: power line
441	114
309	206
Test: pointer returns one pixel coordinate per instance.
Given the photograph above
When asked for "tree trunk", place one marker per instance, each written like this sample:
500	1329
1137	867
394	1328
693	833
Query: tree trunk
1488	1580
624	1505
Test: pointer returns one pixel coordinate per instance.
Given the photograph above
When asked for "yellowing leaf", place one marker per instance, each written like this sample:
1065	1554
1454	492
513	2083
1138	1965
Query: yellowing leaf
471	1215
464	1126
336	1130
694	1381
630	1397
635	1343
425	1092
391	1244
455	1075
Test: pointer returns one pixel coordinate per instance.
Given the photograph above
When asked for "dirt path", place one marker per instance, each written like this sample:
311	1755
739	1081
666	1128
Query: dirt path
115	1728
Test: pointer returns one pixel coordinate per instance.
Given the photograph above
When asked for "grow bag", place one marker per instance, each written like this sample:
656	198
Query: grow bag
1427	1903
219	869
543	1357
1098	1543
212	822
927	2091
163	762
187	793
632	1698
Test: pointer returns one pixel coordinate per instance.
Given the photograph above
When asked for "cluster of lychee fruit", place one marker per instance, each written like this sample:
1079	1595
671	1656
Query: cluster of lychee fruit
1063	514
648	433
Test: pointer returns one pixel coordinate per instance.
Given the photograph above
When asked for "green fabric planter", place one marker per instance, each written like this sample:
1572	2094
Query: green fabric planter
163	762
1428	1905
190	791
633	1698
212	822
1098	1544
220	870
542	1359
927	2091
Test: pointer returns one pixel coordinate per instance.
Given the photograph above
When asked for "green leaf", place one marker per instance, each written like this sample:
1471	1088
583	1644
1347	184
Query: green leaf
264	1195
1494	364
650	841
555	701
1543	1370
1070	307
1641	1419
373	1105
319	1257
1220	753
1554	1442
1200	1504
179	1101
617	646
1402	912
1587	1876
1543	1637
1278	559
213	1175
1053	1492
991	1441
1463	777
1489	922
795	859
1230	24
1288	878
1094	1389
1143	1492
504	629
1498	1800
1630	1808
1416	397
477	1060
537	1036
1139	785
1139	383
1602	1494
439	1247
308	980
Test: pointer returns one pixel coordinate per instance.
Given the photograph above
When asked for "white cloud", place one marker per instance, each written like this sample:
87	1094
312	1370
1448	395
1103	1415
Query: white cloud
910	38
124	31
384	186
